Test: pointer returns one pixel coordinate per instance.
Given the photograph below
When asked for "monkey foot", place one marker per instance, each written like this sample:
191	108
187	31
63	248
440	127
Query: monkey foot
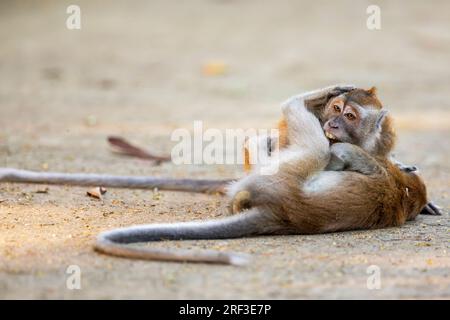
241	201
431	209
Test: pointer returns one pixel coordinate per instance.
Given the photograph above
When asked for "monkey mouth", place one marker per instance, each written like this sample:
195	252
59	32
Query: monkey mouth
331	137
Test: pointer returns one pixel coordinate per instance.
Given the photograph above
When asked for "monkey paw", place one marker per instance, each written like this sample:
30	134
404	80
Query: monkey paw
324	94
431	209
241	201
343	150
340	89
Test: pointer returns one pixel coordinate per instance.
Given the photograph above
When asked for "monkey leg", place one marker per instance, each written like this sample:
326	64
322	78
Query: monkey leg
241	201
258	150
308	145
252	190
305	133
314	102
308	151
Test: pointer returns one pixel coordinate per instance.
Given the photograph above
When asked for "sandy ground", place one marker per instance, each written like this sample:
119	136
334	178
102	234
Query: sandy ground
136	70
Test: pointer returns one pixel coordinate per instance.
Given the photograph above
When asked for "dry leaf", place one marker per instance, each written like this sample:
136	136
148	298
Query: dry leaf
124	147
96	192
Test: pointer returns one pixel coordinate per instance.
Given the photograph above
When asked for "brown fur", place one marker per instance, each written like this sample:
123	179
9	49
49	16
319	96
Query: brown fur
391	196
386	141
363	191
365	97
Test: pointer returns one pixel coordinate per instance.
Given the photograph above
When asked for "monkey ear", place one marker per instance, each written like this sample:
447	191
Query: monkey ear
380	118
372	91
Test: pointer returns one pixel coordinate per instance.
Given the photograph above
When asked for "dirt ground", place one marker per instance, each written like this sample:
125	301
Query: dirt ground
135	69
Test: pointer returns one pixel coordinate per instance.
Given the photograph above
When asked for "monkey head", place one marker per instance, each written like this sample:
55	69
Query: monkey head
357	117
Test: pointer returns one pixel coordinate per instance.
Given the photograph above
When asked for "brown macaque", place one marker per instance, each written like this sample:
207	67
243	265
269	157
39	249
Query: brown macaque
333	106
317	186
347	114
338	108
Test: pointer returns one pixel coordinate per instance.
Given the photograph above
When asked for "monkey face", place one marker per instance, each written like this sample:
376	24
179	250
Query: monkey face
354	117
342	121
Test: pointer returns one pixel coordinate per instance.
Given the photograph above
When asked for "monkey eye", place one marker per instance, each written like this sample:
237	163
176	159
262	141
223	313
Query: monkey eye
350	116
337	108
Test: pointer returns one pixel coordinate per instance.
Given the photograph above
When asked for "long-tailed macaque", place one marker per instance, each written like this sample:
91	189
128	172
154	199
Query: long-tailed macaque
319	187
338	106
315	104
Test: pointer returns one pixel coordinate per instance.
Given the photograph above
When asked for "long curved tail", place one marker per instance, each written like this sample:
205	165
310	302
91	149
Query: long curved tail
253	222
105	180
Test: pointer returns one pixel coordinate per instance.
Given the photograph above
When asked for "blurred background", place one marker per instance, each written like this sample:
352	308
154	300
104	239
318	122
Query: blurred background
155	65
140	69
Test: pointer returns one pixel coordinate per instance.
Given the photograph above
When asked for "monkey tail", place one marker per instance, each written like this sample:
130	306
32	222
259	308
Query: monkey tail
106	180
249	223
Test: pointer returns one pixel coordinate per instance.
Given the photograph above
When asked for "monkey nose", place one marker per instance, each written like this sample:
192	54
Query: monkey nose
333	125
330	125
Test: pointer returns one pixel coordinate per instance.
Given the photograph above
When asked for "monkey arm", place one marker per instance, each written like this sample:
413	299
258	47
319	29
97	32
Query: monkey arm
349	157
316	100
322	95
308	151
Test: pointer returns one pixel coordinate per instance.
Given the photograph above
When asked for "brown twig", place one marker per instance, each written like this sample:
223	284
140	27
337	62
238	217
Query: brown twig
124	147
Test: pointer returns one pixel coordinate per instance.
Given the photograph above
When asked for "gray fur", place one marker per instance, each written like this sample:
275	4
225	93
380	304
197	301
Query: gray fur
106	180
251	223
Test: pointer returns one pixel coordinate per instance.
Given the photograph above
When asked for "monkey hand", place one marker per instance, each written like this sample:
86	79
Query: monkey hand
431	209
349	157
320	97
338	89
